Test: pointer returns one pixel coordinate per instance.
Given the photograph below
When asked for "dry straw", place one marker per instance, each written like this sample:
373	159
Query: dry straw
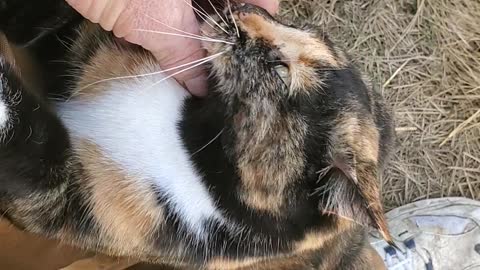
424	56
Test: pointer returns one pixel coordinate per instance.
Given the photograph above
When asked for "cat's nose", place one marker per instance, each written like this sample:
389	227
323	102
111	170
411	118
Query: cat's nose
242	9
255	21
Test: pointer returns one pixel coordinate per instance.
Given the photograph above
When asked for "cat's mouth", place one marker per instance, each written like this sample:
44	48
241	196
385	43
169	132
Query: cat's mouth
226	28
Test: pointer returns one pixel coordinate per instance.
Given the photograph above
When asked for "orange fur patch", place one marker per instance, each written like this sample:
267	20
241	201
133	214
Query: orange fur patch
127	212
111	62
316	240
360	136
371	258
265	168
300	50
302	251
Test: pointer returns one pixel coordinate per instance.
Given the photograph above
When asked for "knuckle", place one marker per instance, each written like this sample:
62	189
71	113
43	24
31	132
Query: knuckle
83	6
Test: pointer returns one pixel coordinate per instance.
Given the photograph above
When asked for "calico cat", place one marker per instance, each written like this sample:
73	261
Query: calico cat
277	168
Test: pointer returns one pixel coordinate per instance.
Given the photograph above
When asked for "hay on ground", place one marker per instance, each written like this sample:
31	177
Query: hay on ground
425	57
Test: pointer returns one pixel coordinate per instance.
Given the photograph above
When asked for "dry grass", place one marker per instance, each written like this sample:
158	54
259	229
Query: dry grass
424	55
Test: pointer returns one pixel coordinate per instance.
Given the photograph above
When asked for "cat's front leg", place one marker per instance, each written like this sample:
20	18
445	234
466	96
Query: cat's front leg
45	188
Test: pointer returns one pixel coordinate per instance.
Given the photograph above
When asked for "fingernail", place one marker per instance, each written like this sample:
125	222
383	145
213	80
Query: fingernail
275	7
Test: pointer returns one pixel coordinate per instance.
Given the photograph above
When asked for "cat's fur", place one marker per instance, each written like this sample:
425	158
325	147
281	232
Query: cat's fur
265	173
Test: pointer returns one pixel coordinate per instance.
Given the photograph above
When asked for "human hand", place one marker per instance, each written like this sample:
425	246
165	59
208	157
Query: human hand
125	17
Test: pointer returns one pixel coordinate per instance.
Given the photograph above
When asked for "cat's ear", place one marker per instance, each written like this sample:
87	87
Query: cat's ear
349	187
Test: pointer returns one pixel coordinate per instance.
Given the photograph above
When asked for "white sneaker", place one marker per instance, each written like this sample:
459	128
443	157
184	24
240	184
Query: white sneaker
434	234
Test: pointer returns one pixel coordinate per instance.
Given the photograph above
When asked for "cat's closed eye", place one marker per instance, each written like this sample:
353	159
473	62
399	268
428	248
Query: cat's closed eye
284	73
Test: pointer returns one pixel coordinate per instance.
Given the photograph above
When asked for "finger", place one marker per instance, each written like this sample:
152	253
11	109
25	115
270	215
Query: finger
88	8
112	14
96	9
197	86
271	6
123	17
194	79
104	12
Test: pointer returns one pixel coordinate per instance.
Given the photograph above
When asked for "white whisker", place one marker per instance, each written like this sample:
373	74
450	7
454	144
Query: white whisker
186	36
173	28
191	67
199	12
204	19
216	11
147	74
210	142
233	19
200	7
206	15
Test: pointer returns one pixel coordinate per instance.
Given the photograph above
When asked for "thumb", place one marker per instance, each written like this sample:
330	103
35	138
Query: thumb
104	12
191	76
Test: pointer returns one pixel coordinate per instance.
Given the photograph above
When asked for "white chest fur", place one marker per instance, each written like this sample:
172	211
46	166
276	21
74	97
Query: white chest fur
136	125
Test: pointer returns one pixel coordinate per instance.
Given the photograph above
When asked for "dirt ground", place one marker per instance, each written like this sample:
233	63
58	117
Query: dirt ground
424	55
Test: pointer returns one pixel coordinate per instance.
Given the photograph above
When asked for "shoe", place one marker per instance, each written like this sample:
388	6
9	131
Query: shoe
433	234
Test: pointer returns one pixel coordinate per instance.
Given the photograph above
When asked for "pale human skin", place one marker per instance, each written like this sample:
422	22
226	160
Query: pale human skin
123	17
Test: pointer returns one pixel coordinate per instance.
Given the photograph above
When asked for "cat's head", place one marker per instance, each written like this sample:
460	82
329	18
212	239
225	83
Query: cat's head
307	137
